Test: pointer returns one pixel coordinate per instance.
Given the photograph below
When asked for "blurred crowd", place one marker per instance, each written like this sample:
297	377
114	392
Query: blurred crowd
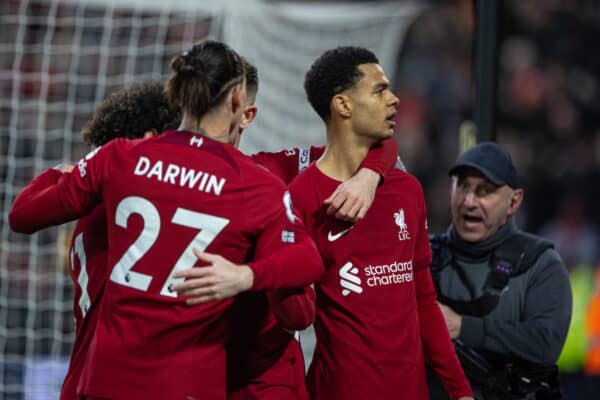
548	110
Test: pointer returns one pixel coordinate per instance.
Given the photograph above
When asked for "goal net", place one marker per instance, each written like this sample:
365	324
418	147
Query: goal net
60	58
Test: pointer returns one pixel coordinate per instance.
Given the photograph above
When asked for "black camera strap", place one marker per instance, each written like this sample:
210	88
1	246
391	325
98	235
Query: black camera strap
511	258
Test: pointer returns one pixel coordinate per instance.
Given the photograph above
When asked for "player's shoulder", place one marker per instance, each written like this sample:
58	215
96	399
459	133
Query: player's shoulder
304	179
257	173
304	189
116	145
399	177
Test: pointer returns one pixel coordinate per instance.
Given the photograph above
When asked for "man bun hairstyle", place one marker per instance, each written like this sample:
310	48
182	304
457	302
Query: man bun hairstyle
202	77
129	113
333	72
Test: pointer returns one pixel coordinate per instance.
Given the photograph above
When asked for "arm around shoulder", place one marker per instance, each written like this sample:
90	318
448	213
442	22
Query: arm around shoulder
23	213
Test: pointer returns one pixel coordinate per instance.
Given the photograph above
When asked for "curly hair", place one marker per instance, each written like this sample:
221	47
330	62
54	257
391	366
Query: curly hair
129	113
333	72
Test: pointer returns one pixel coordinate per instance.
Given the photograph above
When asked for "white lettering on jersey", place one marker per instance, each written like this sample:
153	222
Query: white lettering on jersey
79	252
142	166
303	159
92	153
156	171
189	177
171	174
82	164
389	274
177	175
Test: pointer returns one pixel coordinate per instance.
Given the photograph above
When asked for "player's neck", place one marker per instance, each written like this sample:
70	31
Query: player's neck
212	125
343	154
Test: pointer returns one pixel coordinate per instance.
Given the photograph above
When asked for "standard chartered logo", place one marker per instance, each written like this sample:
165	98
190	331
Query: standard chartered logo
389	274
397	272
349	279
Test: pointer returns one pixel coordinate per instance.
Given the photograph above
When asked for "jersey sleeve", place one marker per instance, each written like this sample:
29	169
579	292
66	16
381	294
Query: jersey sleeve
295	309
287	164
285	255
71	196
438	348
423	254
22	216
382	157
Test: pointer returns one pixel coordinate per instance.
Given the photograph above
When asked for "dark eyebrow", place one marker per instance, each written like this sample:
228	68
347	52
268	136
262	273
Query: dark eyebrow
381	86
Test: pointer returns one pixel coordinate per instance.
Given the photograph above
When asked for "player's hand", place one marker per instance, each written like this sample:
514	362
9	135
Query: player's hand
351	199
453	320
64	168
218	280
465	398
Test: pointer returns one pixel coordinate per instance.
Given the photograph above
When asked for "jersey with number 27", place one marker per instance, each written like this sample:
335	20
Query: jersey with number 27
164	196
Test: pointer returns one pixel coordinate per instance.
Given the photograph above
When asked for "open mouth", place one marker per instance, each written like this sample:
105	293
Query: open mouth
470	219
391	119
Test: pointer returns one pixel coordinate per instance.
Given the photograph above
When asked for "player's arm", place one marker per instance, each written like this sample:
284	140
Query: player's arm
437	346
50	199
295	309
294	264
285	257
351	200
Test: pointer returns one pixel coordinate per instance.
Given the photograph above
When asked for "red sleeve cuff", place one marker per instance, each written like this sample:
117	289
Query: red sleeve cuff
261	276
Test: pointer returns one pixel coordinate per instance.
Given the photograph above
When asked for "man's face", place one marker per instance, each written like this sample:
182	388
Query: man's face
479	208
373	103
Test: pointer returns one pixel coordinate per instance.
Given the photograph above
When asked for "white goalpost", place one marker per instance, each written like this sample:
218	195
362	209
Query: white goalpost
60	58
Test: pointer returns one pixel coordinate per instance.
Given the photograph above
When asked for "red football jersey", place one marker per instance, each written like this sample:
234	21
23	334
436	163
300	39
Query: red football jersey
267	362
164	196
88	268
369	343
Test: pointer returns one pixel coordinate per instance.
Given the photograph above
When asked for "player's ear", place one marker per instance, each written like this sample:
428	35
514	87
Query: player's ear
249	115
341	105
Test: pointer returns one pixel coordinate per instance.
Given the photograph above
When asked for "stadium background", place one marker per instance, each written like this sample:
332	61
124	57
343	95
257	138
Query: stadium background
59	58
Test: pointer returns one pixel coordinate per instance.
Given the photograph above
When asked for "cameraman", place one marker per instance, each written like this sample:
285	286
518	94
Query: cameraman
505	294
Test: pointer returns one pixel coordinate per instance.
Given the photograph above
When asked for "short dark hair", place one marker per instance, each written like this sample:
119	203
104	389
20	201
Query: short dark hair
251	77
202	77
333	72
129	113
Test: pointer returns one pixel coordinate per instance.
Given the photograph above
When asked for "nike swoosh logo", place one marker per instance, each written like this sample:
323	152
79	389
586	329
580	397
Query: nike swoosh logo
331	237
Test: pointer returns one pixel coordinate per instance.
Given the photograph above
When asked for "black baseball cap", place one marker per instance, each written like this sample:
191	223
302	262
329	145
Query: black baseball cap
494	163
